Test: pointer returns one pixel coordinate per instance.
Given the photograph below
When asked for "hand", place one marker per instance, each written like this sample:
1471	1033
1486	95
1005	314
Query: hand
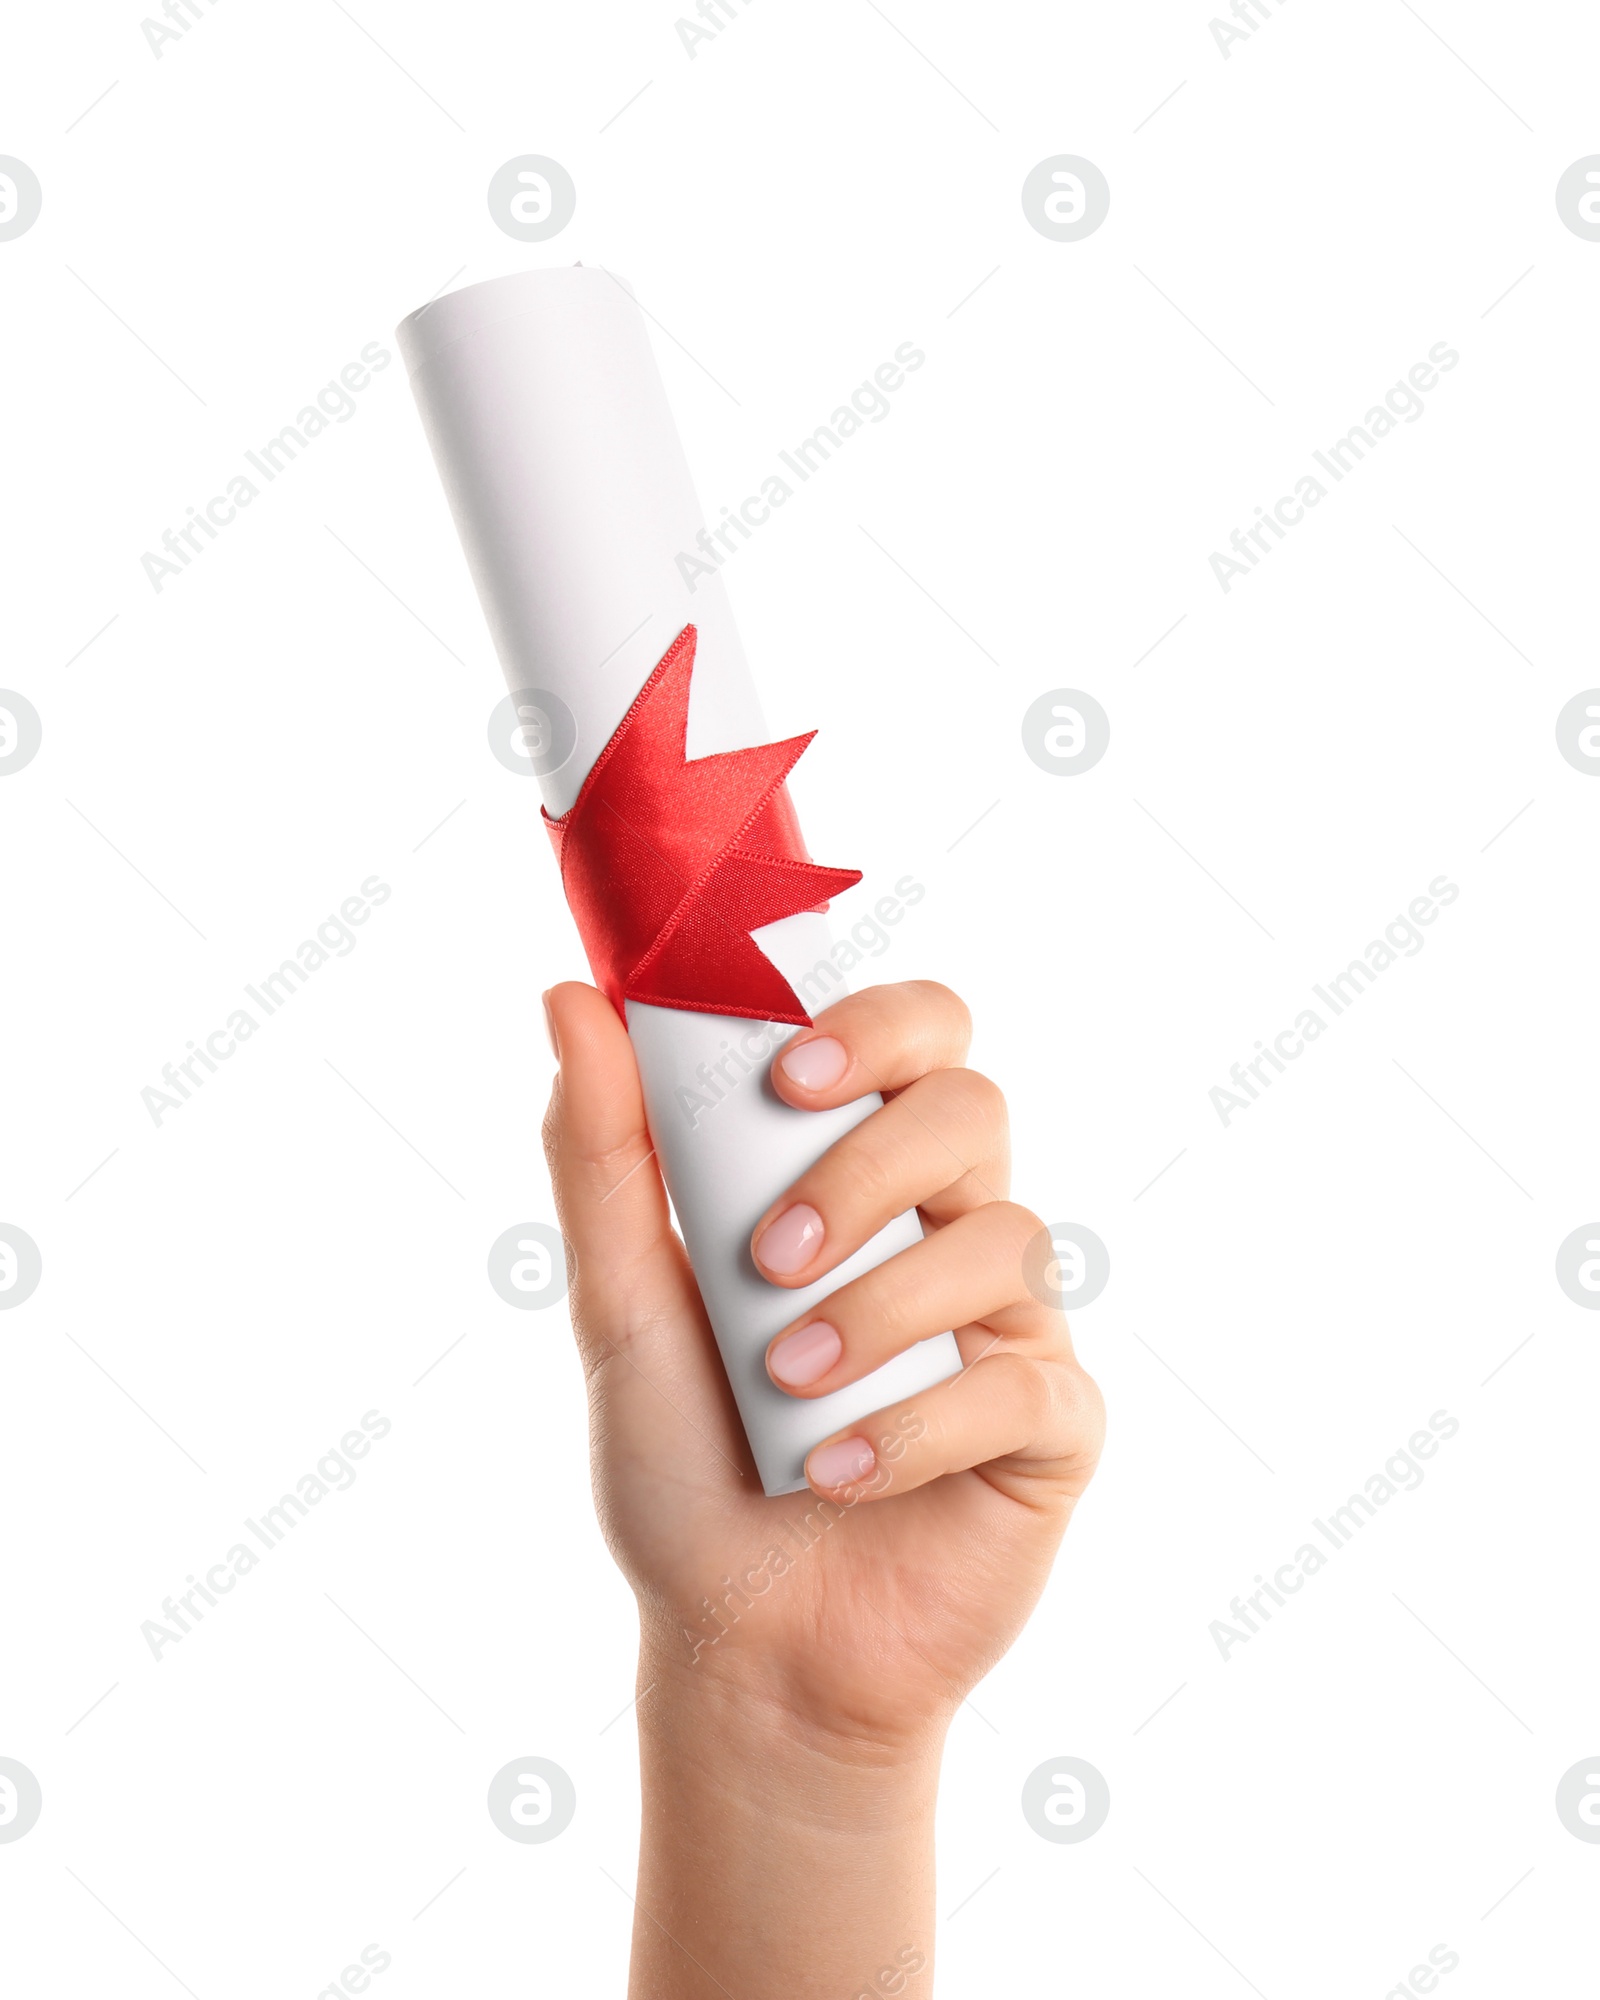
904	1603
793	1705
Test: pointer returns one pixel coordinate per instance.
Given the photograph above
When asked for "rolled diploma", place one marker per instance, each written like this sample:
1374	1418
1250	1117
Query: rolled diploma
551	431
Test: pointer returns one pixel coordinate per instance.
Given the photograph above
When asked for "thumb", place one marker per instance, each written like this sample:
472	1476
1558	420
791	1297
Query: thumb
609	1197
634	1298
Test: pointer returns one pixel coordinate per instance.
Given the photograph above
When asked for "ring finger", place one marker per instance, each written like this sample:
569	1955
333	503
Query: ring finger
968	1272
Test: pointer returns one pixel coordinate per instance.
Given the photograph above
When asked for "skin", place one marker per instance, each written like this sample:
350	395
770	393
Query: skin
791	1727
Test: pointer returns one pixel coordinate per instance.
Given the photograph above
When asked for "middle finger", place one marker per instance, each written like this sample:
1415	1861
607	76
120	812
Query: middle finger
941	1145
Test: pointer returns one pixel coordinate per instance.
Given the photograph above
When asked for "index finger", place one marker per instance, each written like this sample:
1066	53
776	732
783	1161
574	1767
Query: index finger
882	1039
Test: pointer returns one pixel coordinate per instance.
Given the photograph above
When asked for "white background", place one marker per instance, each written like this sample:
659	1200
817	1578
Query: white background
1295	760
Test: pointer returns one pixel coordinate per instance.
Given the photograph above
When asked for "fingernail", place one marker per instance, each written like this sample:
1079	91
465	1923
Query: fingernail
805	1357
841	1464
550	1027
790	1242
816	1065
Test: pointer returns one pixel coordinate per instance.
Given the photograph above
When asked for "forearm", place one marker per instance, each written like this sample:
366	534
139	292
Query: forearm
776	1863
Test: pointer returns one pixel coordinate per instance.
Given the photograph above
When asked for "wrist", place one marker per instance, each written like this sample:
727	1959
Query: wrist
781	1858
756	1728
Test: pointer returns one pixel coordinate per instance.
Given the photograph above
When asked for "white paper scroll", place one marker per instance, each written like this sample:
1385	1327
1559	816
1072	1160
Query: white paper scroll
550	428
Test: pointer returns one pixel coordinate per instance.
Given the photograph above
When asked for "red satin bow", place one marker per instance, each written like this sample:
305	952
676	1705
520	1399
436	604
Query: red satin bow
669	865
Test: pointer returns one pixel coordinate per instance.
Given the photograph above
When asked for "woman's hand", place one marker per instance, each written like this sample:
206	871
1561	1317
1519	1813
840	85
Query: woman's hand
822	1642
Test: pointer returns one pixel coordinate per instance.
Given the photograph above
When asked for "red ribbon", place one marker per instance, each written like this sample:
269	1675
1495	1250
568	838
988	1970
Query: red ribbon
669	865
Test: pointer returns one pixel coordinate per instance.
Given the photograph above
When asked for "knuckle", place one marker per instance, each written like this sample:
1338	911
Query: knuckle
1015	1227
876	1313
1079	1413
935	997
1037	1388
901	1317
979	1098
858	1177
1091	1397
